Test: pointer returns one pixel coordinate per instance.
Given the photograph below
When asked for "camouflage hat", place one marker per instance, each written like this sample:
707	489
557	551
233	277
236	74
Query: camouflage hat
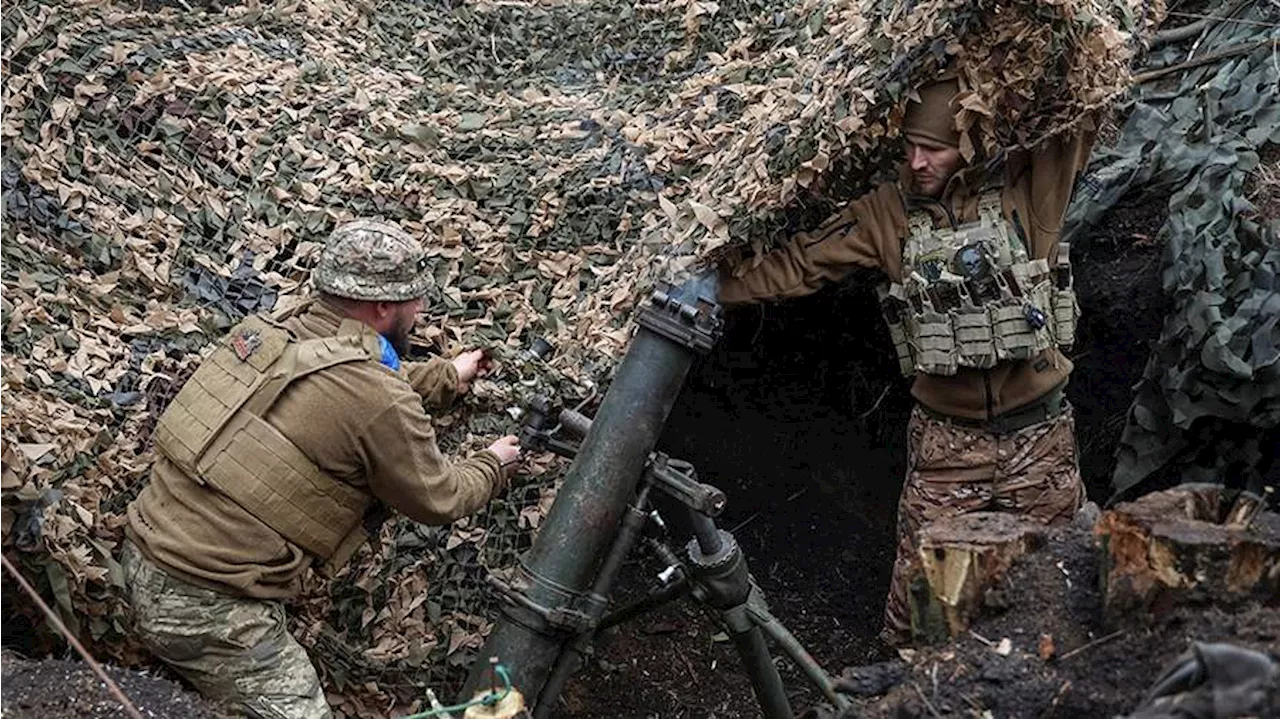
375	261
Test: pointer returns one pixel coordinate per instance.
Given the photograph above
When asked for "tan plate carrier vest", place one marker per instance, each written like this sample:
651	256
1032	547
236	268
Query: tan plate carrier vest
215	433
945	315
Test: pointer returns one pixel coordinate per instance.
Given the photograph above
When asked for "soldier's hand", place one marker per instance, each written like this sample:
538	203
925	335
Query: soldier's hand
469	366
508	451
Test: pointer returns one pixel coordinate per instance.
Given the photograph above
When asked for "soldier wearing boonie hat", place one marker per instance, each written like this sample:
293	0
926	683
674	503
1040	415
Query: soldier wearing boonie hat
282	452
978	301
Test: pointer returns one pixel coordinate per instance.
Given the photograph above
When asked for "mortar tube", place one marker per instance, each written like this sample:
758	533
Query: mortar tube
596	491
570	659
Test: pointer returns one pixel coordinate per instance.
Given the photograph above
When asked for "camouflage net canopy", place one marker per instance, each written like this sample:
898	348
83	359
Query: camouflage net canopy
168	171
1210	394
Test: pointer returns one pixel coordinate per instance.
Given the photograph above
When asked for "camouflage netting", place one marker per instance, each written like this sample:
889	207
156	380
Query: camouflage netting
168	170
1211	389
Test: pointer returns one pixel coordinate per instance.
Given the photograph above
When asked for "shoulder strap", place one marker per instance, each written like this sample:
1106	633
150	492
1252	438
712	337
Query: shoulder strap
304	357
293	310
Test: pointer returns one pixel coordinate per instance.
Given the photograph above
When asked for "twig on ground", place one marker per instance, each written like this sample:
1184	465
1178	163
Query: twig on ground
982	639
687	664
129	708
744	523
1062	691
875	406
1090	645
927	704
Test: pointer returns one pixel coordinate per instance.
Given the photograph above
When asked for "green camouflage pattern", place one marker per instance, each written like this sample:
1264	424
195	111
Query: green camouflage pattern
954	470
1210	393
237	652
370	260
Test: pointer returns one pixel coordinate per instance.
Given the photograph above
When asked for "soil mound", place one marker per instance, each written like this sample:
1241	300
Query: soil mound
53	688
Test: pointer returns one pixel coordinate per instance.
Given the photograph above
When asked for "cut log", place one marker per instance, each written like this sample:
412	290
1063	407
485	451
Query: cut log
960	559
1173	548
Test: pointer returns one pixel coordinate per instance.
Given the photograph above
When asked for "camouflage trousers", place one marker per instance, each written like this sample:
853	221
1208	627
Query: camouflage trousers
954	470
235	651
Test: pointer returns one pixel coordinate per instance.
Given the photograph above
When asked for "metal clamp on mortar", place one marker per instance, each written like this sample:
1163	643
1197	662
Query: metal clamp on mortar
684	315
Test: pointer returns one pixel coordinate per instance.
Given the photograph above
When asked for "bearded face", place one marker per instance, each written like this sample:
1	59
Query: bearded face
932	165
403	317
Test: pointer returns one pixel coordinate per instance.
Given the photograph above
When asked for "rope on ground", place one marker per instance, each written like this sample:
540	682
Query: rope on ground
129	708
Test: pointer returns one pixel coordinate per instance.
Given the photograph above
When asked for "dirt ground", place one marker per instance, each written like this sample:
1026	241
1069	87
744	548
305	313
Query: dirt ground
1096	669
57	689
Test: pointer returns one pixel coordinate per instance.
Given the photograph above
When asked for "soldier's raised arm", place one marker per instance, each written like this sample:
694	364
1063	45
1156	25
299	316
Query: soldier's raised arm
801	267
863	234
435	380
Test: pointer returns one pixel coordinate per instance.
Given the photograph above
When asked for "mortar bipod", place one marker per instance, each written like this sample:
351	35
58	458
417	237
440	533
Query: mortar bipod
719	578
715	574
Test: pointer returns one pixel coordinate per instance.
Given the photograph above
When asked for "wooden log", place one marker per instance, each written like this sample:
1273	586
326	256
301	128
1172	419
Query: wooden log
1172	548
960	559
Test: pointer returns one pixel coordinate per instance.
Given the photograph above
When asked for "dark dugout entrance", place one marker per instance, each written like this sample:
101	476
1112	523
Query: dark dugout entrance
799	415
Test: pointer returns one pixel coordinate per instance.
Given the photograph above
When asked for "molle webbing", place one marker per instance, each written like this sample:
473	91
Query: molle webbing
971	297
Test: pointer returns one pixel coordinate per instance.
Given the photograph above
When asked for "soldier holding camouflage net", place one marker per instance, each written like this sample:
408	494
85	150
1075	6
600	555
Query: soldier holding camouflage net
279	454
978	299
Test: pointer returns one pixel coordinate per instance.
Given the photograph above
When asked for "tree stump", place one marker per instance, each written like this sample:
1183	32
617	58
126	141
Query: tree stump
1172	548
960	559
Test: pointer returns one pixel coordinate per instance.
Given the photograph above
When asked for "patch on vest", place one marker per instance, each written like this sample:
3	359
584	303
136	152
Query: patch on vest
931	265
245	344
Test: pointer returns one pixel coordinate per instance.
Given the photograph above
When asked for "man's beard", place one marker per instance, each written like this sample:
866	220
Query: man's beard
399	337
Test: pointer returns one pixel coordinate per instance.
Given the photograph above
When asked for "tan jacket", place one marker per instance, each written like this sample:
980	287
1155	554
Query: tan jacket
359	422
871	230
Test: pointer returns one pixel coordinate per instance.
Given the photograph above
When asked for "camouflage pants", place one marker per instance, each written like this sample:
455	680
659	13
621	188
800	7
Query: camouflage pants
237	652
954	470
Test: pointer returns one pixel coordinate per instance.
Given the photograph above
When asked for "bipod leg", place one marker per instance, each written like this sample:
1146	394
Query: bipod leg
655	599
748	639
719	572
794	650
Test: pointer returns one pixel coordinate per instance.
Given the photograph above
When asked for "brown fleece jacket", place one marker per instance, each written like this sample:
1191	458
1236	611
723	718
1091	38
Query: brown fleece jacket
361	423
870	232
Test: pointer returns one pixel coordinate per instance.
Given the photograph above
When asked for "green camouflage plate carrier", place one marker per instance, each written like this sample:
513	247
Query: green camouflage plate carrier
998	306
